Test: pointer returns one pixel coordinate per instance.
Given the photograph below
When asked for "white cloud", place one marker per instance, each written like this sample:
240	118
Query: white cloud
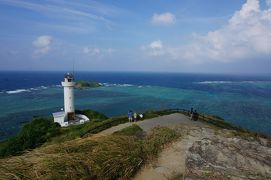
42	41
155	48
98	52
268	2
163	19
246	35
71	16
156	45
42	45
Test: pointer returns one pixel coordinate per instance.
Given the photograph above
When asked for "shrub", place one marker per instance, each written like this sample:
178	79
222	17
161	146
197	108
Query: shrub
91	114
32	134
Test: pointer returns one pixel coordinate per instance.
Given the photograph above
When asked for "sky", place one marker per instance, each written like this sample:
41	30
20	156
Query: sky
210	36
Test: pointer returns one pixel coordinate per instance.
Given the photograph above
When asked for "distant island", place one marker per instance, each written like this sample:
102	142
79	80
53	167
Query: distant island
86	84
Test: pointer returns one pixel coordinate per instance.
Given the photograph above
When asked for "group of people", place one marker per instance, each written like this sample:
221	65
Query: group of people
194	115
132	116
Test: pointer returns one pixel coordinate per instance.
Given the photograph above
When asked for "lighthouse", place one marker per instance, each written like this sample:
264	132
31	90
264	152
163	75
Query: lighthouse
68	86
68	116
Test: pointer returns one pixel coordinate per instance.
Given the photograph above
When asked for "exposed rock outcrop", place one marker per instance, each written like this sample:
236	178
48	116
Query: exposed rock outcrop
205	152
223	157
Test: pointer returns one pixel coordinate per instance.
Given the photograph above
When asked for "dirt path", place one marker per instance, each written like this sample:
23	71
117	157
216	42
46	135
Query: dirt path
171	161
168	120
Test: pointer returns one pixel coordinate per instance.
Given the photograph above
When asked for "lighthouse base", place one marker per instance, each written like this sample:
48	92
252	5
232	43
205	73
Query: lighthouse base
69	119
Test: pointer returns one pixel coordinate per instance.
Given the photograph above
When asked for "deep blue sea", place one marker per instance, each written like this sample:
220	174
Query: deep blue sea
242	100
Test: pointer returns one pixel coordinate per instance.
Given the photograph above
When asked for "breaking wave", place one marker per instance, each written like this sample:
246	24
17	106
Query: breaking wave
215	82
17	91
119	85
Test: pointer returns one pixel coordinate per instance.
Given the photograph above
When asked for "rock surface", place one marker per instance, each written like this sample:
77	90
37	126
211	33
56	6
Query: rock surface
228	158
205	152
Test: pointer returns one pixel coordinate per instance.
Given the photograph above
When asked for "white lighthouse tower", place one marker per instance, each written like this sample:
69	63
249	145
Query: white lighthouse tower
68	85
68	116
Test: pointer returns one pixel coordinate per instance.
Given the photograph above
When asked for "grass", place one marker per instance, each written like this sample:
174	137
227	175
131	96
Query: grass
153	114
84	130
158	137
43	130
116	156
38	132
133	130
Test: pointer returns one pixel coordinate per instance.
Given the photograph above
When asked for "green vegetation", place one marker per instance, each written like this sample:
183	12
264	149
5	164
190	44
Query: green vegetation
95	126
133	130
91	114
39	132
153	114
44	130
70	153
31	136
110	157
83	130
86	84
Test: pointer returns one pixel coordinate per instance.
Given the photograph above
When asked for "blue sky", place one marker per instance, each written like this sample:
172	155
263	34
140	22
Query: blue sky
210	36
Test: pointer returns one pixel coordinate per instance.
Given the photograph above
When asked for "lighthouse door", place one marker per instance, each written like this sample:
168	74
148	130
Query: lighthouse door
71	116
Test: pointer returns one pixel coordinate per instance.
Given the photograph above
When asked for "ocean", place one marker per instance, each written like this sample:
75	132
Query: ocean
242	100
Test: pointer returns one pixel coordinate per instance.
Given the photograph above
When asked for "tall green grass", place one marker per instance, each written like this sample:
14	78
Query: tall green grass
111	157
133	130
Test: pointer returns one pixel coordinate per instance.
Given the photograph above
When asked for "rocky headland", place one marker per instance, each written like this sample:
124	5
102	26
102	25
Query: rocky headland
163	146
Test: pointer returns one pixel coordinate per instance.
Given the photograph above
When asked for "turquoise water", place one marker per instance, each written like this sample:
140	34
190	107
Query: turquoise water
244	103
